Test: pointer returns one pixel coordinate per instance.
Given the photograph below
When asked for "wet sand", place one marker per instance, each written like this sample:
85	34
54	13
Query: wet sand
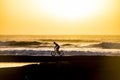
63	68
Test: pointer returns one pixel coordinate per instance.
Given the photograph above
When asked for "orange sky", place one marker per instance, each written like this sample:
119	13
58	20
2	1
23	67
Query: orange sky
62	17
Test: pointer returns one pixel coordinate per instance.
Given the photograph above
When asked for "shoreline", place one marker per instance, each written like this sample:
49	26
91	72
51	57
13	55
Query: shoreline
16	58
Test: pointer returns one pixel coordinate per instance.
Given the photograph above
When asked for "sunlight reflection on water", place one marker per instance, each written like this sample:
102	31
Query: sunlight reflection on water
15	64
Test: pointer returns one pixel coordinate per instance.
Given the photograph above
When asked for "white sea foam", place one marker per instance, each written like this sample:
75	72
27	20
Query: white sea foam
67	51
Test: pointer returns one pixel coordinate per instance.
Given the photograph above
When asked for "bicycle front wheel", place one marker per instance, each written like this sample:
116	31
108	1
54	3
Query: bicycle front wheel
61	53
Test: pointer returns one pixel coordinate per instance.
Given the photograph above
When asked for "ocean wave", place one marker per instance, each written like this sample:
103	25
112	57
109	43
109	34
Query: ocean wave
106	45
32	44
47	44
22	43
68	40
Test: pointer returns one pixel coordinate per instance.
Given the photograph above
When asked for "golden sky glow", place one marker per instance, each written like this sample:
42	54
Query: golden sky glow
37	17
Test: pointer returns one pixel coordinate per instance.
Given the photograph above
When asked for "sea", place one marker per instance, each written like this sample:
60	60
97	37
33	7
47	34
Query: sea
70	45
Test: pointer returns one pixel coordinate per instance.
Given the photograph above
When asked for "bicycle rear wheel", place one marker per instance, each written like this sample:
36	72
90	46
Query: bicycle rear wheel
53	53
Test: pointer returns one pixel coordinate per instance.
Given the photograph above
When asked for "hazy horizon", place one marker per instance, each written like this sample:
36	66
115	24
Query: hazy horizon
60	35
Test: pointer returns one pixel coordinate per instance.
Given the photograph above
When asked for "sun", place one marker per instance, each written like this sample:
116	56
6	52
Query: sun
71	9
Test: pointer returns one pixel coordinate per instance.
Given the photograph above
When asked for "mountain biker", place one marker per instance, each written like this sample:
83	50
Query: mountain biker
56	47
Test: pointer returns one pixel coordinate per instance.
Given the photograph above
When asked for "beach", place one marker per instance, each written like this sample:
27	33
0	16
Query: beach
85	57
61	68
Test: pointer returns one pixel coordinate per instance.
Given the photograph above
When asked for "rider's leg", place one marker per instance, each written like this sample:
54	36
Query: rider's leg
58	52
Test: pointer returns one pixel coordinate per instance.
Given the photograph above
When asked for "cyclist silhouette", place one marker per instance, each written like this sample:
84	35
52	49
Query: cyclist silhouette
56	47
56	50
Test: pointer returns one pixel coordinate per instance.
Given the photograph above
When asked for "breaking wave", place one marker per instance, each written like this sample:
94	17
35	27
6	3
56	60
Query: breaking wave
23	44
106	45
48	44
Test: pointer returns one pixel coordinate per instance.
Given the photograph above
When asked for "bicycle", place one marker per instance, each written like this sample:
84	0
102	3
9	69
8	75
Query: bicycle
60	53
